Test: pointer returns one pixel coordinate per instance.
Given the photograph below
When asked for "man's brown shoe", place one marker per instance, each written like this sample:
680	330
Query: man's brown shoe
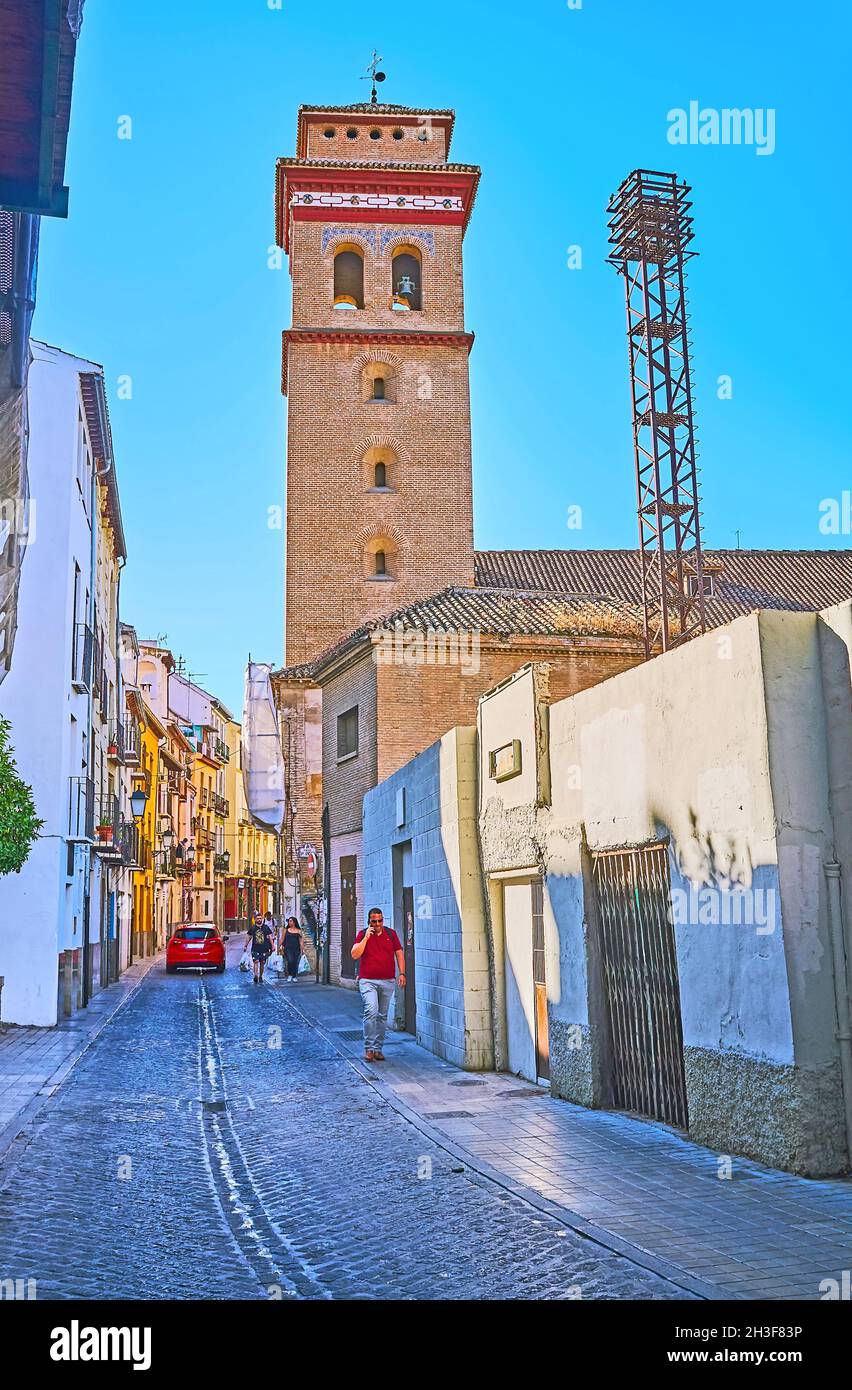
369	1056
378	1056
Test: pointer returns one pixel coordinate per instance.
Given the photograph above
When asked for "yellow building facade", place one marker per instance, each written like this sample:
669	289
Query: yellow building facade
251	883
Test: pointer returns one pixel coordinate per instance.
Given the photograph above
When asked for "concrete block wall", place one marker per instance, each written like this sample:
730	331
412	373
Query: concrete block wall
451	954
734	749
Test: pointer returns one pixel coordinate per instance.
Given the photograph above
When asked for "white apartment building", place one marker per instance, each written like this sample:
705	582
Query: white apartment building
62	918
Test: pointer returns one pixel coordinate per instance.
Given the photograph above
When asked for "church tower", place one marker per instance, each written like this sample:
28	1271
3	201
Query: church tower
372	215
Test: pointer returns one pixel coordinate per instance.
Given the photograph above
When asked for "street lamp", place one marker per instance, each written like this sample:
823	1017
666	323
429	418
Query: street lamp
168	839
138	802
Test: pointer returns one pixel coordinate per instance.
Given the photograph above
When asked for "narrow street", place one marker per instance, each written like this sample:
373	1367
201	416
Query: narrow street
188	1155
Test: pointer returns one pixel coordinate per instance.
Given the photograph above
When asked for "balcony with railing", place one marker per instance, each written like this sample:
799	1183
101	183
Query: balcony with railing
220	749
81	809
220	805
97	665
107	826
221	863
131	845
81	657
131	741
115	741
185	859
165	863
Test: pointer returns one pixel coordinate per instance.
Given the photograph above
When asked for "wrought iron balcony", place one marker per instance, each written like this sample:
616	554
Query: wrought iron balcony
220	749
131	846
165	863
115	741
221	863
220	805
131	742
81	657
108	826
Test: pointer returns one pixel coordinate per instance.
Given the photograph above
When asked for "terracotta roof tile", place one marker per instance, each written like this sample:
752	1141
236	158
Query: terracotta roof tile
804	580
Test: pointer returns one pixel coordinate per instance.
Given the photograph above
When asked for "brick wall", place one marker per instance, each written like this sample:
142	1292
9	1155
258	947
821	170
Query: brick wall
409	149
302	709
312	265
346	782
417	704
333	511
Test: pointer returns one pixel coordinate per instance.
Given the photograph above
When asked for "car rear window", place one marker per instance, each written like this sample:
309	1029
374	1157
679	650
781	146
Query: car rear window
194	933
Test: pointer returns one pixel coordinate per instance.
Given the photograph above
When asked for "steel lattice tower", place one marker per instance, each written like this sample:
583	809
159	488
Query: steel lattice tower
650	229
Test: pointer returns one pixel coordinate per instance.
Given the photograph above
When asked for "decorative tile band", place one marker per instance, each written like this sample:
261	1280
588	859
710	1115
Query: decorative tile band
410	234
367	236
417	202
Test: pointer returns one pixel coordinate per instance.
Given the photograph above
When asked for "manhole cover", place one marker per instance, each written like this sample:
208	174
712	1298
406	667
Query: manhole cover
467	1083
447	1114
527	1093
217	1105
349	1034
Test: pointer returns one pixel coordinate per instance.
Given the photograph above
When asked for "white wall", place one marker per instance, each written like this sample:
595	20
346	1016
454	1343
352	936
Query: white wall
37	905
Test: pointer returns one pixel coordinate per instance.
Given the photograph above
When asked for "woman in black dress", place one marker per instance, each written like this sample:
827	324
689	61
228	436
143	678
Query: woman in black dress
292	948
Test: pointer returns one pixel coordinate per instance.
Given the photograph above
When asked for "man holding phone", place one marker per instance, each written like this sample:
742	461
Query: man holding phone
378	949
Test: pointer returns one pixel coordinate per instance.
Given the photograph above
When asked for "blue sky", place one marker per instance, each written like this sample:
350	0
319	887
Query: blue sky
161	271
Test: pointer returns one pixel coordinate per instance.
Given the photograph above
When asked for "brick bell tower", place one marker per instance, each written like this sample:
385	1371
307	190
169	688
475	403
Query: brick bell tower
375	367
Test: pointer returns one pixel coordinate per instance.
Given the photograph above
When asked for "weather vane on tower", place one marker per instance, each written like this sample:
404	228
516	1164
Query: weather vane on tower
374	75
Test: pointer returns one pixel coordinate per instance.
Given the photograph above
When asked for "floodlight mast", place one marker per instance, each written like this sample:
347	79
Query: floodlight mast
650	230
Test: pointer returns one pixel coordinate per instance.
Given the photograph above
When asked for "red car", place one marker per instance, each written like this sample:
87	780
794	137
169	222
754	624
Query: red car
195	948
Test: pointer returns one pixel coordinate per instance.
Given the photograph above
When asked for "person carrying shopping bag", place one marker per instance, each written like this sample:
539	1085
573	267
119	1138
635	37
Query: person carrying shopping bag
291	948
260	938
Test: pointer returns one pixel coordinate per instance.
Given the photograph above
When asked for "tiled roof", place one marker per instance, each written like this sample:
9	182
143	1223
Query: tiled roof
381	108
496	613
364	166
804	580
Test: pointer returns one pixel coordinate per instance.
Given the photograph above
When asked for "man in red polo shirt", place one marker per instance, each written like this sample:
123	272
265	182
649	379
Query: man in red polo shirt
377	948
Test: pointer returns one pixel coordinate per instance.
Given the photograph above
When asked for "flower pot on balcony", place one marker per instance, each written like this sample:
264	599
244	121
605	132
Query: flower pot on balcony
105	834
112	750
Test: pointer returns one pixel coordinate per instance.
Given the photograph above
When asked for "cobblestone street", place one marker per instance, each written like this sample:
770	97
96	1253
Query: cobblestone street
189	1155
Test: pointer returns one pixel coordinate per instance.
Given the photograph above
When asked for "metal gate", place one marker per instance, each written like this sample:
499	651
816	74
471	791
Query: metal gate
640	981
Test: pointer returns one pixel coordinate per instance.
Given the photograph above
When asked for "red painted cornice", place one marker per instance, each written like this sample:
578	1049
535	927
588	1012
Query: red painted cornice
370	337
316	177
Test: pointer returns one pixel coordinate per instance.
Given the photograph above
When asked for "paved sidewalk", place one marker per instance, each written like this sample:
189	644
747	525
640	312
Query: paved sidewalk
758	1234
34	1061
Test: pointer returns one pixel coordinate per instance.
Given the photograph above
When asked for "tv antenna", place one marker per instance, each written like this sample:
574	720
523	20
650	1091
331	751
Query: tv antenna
374	75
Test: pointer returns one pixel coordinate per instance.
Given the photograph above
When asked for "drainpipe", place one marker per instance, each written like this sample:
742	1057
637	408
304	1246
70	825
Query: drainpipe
841	992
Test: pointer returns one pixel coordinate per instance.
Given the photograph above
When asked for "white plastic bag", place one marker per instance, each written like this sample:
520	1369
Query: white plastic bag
275	962
245	959
304	965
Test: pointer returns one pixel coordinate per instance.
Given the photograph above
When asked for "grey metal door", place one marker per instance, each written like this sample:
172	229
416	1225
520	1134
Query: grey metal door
348	914
642	995
408	946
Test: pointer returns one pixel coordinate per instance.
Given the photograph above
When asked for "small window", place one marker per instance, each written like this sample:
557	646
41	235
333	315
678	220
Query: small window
347	733
381	478
329	134
706	585
375	135
351	133
380	562
397	135
378	388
